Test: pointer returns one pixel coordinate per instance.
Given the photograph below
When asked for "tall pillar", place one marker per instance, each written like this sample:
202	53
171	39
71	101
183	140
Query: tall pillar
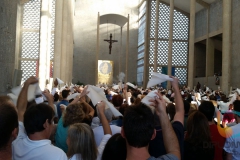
97	50
146	46
72	4
127	50
226	46
58	39
191	43
64	42
120	54
45	33
210	58
156	37
170	43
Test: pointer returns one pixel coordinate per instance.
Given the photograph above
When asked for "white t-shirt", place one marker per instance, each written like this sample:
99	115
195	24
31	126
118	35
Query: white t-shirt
223	106
25	149
232	144
98	132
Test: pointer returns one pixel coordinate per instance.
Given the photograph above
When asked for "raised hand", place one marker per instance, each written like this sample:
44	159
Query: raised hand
174	82
160	106
101	107
31	80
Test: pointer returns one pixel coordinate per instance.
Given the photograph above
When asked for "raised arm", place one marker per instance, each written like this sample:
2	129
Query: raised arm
179	116
169	137
82	94
103	119
22	98
49	99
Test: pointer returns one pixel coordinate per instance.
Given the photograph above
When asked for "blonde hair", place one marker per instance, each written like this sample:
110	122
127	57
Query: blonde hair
81	141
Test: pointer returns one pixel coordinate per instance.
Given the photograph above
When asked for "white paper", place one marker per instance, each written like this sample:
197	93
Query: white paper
115	87
72	96
13	97
16	90
33	90
97	95
113	93
59	81
158	78
131	85
238	91
150	95
72	88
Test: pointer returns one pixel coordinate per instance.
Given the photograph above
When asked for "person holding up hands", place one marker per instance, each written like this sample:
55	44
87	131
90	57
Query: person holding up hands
35	128
156	146
138	130
81	142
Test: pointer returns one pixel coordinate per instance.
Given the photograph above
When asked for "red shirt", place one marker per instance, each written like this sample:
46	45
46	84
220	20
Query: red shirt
218	141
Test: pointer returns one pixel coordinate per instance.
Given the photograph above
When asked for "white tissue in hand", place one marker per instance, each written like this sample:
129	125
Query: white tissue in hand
97	95
131	85
72	96
150	95
158	78
59	81
33	90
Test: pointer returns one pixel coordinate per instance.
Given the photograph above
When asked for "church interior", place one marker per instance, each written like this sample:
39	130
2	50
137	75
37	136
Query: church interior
119	79
194	40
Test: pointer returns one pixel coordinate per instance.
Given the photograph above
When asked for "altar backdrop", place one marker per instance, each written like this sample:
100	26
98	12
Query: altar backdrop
105	72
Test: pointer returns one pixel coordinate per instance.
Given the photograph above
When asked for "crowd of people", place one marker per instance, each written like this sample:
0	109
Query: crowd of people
178	123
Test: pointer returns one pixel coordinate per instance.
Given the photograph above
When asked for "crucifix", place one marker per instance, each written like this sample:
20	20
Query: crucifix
110	42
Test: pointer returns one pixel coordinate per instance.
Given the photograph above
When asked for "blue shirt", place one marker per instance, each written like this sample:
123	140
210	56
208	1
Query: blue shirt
61	136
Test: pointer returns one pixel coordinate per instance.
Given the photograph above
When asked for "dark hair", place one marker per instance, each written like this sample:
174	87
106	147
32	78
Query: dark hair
8	122
56	97
171	110
115	148
123	108
224	98
207	108
189	98
236	105
138	125
198	131
117	100
212	97
65	93
186	106
35	116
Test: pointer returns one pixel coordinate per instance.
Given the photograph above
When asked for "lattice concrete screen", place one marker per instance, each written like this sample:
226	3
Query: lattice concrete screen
180	40
31	36
181	74
29	69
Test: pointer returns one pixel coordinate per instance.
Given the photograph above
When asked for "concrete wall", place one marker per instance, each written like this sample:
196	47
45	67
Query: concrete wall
215	19
200	60
235	59
201	23
210	82
215	25
85	34
8	17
